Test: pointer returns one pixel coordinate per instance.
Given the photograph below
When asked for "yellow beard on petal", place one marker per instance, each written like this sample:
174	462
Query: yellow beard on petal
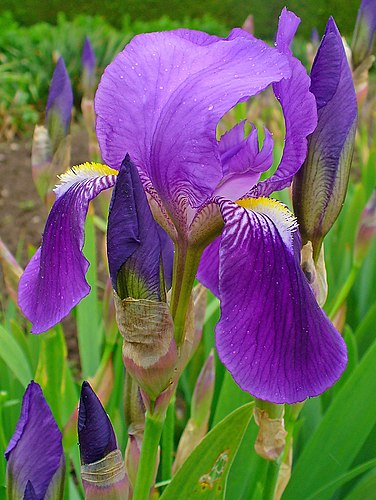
277	212
85	170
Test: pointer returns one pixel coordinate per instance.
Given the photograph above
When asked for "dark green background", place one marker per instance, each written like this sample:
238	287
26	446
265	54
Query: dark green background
232	12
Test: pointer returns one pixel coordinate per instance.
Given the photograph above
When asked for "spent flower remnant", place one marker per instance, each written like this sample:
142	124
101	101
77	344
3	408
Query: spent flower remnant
36	464
159	102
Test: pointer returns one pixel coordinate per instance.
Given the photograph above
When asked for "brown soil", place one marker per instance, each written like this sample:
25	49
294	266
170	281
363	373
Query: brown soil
22	212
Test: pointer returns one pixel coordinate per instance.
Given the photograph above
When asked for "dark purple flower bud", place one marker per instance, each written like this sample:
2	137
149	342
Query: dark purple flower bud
364	32
102	470
59	105
35	453
95	433
140	254
89	67
320	186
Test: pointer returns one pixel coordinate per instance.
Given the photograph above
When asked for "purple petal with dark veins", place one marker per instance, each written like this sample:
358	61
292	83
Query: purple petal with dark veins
272	336
162	97
35	452
242	161
60	97
96	435
208	270
136	240
319	188
299	110
54	280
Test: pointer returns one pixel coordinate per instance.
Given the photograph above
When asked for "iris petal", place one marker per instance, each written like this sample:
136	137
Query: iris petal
162	97
272	336
242	161
299	110
35	451
54	280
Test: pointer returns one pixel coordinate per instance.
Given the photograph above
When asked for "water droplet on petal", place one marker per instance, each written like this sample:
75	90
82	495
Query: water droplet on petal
210	107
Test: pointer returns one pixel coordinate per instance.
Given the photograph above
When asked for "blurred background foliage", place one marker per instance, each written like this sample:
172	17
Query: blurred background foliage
229	12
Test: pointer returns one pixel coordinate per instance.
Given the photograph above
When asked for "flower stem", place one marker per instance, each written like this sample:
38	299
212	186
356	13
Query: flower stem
271	480
146	467
168	441
187	259
345	290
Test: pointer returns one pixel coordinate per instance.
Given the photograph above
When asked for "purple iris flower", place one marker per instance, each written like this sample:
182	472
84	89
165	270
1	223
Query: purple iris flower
35	454
160	101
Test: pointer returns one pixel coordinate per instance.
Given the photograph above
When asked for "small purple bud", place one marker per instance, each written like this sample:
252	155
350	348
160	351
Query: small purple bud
59	105
102	466
95	433
35	453
89	68
315	38
249	25
319	187
364	32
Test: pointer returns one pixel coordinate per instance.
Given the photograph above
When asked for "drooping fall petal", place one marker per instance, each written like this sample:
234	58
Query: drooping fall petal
272	336
54	280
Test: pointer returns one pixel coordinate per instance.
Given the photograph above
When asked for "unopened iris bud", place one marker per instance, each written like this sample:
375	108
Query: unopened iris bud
140	258
364	33
362	47
50	153
367	229
59	105
197	425
89	65
102	467
36	464
319	187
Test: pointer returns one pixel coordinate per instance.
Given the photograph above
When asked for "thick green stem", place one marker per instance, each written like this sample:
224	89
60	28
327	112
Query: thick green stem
168	441
271	480
345	290
147	464
187	259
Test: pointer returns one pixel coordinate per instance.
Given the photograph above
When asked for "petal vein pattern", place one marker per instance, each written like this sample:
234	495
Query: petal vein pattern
162	97
54	280
272	336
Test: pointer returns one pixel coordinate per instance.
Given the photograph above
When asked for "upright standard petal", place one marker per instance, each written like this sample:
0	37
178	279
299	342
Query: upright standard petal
299	111
242	161
59	104
95	433
319	188
35	452
138	248
272	336
162	97
54	280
